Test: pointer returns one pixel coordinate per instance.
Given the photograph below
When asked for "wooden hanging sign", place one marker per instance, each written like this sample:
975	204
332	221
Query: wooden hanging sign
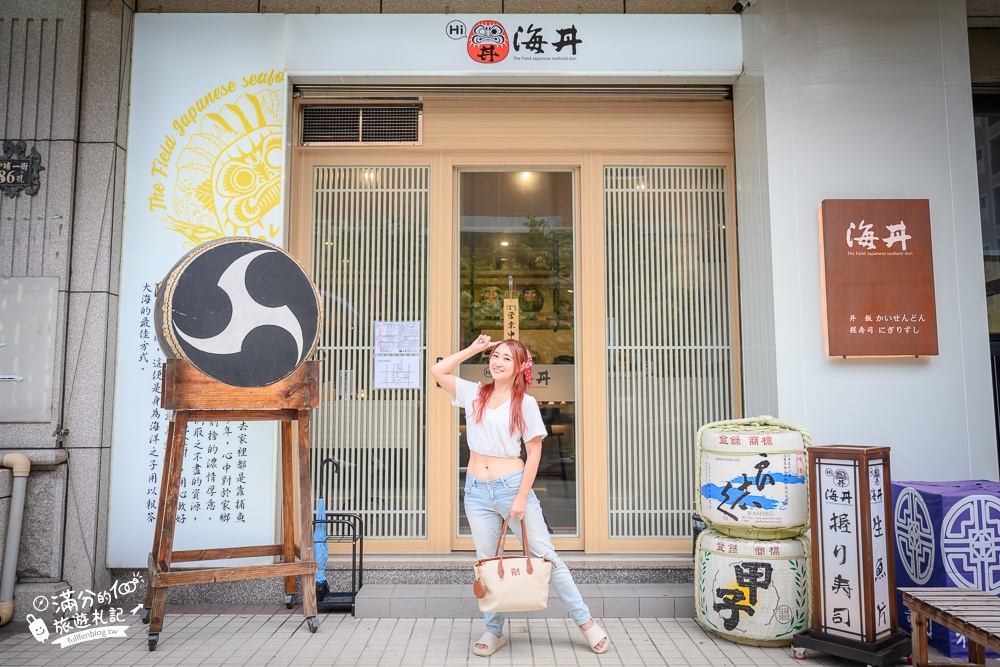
511	314
878	278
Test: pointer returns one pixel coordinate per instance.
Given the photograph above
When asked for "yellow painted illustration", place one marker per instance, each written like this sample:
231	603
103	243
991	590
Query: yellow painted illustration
228	175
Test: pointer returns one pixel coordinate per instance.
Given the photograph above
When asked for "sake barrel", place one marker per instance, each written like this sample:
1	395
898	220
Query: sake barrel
241	310
751	478
752	591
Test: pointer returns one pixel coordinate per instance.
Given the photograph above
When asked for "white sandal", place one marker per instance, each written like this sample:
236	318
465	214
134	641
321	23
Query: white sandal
594	635
491	642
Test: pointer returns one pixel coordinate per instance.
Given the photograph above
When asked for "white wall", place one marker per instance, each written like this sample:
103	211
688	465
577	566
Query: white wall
862	100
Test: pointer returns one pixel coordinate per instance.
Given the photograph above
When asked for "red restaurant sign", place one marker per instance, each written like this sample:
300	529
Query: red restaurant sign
878	274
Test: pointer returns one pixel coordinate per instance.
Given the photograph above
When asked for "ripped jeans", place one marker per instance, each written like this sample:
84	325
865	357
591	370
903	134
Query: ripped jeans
487	503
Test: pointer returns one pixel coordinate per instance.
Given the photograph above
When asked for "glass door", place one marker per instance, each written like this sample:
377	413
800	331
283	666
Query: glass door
516	242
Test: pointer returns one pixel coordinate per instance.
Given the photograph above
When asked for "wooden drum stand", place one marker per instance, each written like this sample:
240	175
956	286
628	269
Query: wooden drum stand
195	397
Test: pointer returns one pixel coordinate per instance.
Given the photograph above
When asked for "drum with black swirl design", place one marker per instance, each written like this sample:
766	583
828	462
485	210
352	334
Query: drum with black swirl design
240	310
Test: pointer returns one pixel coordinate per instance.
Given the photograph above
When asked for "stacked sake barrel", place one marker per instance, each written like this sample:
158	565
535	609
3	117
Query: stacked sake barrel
752	570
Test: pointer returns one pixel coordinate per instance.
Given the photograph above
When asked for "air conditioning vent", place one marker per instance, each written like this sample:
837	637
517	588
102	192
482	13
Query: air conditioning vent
352	124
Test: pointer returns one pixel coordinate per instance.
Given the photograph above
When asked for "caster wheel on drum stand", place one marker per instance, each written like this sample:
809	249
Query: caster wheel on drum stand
288	601
313	623
144	616
152	640
799	653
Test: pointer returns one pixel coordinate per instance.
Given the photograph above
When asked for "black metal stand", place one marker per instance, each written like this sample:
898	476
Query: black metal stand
344	527
341	527
892	649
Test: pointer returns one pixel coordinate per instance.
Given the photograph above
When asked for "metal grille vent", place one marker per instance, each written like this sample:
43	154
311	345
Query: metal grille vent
341	124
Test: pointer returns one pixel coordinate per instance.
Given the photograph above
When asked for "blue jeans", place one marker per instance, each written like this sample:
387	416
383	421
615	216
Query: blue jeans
487	503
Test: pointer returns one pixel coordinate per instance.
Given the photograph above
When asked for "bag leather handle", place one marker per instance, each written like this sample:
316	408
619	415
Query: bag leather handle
502	543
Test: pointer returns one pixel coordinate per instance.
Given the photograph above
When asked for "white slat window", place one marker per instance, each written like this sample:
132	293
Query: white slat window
369	262
669	339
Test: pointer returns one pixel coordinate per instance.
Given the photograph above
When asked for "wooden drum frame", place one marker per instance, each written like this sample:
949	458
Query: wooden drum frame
196	397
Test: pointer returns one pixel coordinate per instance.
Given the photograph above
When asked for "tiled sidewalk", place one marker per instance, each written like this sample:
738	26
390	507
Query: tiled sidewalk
272	635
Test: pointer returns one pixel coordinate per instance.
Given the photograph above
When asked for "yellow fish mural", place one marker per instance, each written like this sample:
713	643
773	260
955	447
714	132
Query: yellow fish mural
229	173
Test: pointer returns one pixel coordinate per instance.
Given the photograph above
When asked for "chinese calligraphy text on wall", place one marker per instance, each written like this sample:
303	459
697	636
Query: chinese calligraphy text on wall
878	278
213	485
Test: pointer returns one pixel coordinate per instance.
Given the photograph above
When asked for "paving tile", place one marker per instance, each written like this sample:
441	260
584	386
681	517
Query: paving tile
662	607
376	590
684	608
623	607
407	607
269	637
373	607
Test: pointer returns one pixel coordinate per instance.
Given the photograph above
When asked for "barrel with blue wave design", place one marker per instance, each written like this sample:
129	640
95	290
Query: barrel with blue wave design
752	484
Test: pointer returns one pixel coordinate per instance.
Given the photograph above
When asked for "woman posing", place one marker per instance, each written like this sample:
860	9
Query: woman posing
498	416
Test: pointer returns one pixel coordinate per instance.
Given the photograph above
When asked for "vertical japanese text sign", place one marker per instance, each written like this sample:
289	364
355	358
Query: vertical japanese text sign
853	568
511	323
878	277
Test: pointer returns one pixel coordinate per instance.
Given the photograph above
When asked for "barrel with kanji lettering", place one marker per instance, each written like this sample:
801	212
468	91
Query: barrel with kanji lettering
752	591
751	478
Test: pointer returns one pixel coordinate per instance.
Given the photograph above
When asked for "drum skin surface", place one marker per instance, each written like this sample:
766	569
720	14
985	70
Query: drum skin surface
241	310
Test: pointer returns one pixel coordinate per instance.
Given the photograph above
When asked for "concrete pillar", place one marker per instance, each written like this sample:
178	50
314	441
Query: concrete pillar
860	100
64	67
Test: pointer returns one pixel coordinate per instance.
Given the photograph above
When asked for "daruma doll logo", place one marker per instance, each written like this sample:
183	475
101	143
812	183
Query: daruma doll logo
488	42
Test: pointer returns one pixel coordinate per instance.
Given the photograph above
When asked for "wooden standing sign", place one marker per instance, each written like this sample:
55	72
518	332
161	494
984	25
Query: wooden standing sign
853	580
878	275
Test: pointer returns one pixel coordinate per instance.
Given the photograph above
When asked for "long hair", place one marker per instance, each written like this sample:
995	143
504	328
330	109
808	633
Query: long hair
521	355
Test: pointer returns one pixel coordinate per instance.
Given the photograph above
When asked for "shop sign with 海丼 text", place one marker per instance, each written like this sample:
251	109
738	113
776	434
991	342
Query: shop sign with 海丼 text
878	278
686	48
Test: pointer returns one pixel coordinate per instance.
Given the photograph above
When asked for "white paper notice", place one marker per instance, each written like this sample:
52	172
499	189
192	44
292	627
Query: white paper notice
397	372
397	337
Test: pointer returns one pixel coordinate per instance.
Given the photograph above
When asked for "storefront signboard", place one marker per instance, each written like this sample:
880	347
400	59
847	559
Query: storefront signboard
878	278
702	48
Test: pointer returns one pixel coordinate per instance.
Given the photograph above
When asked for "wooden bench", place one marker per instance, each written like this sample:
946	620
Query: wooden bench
972	613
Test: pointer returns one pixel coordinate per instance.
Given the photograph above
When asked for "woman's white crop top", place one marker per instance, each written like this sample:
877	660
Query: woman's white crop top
492	436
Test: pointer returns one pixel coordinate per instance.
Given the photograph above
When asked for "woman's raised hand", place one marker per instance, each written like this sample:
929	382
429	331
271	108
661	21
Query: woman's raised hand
483	342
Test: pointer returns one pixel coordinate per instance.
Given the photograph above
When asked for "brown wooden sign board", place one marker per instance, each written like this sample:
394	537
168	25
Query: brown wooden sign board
878	276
